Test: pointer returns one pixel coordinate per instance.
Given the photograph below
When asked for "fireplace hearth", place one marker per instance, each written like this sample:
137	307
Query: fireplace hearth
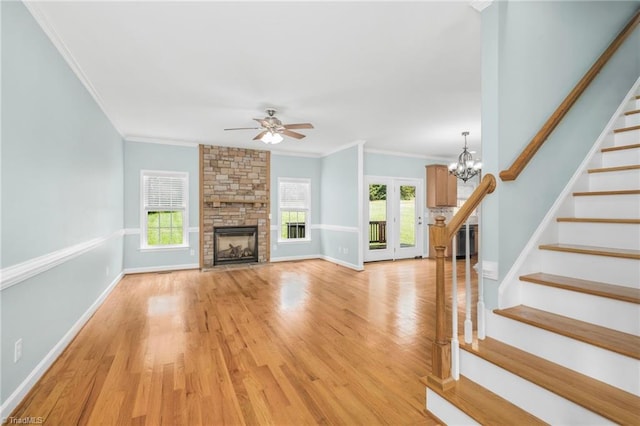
235	244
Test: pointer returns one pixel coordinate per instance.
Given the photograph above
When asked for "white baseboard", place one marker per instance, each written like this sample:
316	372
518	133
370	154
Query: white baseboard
342	263
294	258
146	269
16	397
317	256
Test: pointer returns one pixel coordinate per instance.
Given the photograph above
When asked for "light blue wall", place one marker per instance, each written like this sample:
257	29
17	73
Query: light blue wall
295	167
533	55
376	164
339	207
151	156
62	180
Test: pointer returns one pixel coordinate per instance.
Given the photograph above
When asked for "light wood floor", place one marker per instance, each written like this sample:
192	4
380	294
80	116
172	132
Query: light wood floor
285	343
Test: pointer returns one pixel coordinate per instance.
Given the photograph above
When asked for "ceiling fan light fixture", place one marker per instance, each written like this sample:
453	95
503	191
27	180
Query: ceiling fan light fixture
272	138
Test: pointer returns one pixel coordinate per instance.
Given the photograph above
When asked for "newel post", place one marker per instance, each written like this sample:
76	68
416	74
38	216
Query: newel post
441	350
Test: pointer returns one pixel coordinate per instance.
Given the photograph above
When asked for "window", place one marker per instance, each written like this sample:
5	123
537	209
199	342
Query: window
294	203
164	209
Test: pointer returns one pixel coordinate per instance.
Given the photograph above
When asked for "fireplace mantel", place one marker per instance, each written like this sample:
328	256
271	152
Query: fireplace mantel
217	201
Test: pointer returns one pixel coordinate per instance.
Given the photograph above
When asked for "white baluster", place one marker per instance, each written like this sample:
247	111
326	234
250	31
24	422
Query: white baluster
468	324
480	313
455	345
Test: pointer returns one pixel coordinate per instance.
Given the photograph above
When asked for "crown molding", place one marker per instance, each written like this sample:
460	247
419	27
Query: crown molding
161	141
343	147
405	154
480	5
66	54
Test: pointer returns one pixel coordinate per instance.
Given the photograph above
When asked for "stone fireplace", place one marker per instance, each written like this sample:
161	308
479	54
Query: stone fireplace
234	194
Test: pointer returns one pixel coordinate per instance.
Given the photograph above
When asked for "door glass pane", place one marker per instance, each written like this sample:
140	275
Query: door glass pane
377	216
407	216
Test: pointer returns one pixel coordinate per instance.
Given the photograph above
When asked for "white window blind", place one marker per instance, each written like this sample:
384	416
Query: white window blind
164	192
294	195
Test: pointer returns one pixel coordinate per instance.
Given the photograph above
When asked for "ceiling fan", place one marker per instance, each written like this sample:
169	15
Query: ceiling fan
273	129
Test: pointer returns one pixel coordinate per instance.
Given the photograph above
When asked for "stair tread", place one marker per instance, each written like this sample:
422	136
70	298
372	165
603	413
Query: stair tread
614	169
633	111
596	288
593	250
624	192
626	129
621	147
606	400
598	220
484	406
606	338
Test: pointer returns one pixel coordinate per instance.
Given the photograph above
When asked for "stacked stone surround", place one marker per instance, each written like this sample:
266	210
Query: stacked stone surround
234	192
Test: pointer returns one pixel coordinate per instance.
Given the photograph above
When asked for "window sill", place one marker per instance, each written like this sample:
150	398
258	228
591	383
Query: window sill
164	248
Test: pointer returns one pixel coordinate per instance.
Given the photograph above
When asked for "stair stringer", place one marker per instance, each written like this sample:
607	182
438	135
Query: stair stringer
530	258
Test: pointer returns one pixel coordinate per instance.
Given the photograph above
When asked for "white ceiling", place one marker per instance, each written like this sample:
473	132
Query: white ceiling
402	76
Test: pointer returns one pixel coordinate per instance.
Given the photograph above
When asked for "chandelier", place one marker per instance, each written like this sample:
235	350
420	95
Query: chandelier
466	167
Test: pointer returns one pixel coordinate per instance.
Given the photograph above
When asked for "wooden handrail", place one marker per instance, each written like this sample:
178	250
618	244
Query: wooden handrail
440	235
487	186
529	151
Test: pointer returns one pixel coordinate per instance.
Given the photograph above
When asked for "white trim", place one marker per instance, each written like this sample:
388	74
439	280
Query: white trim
21	391
155	249
294	258
342	263
480	5
161	141
66	54
147	269
296	154
15	274
137	231
361	222
405	154
337	228
317	256
512	276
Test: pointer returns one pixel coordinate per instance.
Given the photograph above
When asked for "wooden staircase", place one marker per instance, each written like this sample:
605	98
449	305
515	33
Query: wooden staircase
570	352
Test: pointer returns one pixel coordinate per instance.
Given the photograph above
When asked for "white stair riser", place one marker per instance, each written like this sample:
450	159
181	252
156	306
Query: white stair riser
617	370
532	398
627	138
612	270
632	119
633	105
623	157
447	412
613	235
615	181
602	311
608	206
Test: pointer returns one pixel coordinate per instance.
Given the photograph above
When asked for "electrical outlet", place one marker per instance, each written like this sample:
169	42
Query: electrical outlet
345	250
192	252
17	350
339	249
106	271
275	247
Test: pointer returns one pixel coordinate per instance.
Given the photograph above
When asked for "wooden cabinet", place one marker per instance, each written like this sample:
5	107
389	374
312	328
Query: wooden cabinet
442	187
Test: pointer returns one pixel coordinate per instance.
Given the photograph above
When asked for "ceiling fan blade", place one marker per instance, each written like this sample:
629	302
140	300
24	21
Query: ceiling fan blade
292	134
298	126
260	135
244	128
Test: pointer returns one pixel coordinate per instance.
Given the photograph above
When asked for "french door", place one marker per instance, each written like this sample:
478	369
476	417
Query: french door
393	214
